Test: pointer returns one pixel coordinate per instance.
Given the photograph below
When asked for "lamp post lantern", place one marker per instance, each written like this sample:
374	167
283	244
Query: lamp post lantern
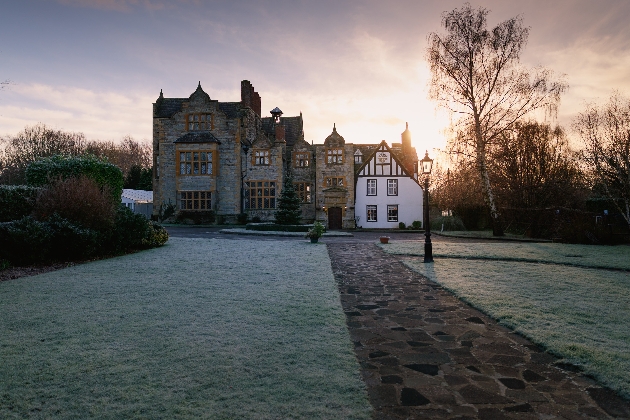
427	164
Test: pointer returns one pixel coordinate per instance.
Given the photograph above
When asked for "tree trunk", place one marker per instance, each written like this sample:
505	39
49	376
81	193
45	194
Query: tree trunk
488	195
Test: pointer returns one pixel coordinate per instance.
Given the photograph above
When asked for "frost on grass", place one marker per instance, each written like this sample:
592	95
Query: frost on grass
615	257
577	313
198	328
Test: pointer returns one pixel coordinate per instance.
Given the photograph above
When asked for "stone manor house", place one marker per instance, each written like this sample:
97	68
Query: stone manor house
228	158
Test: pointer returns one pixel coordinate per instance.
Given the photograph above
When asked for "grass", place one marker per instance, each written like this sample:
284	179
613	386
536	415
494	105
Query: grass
581	314
592	256
485	234
196	329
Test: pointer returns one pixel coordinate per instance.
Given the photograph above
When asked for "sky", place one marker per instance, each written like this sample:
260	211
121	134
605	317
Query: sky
96	66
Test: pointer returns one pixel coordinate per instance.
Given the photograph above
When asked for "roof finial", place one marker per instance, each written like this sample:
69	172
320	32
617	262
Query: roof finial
334	128
161	94
406	126
199	85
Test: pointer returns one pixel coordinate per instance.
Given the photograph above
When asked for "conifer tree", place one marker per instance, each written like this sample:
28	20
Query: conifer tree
289	209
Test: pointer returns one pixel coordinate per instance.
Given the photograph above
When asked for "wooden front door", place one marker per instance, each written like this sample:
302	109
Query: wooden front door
334	218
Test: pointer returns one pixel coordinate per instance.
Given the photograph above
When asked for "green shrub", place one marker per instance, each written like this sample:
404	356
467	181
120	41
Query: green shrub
242	218
416	224
203	217
16	201
30	241
316	231
70	242
156	236
43	171
402	225
275	227
130	229
25	241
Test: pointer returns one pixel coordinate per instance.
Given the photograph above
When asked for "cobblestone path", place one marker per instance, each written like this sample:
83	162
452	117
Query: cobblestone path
425	354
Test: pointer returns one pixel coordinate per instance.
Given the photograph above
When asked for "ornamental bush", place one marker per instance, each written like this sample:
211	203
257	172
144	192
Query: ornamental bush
129	230
16	201
78	199
106	175
156	236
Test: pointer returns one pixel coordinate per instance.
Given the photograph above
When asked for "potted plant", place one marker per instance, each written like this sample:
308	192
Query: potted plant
315	232
384	239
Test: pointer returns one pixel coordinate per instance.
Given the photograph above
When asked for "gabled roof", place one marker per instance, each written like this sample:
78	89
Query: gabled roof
383	146
198	137
334	139
199	94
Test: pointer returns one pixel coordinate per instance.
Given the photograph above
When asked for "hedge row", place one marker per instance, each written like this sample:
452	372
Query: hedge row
16	201
281	228
106	175
30	241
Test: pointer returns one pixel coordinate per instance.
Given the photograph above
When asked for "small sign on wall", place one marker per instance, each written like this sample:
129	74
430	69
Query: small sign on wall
383	158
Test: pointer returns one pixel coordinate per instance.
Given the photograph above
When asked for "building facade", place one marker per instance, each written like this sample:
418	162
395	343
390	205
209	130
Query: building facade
226	159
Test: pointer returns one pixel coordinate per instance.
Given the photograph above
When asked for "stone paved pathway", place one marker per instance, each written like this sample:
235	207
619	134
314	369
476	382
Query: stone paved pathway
425	354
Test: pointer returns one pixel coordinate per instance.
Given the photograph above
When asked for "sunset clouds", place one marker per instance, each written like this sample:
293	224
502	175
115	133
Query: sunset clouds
97	65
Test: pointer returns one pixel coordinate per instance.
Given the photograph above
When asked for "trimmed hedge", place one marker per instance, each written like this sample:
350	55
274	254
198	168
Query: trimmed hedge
105	174
16	201
281	228
29	241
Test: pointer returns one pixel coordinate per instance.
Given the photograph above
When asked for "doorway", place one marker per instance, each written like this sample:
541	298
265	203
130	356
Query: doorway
334	218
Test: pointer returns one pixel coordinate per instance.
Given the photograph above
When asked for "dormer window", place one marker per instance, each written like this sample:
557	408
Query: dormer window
358	157
199	121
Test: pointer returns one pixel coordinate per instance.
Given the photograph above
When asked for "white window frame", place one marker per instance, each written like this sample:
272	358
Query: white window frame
392	187
372	189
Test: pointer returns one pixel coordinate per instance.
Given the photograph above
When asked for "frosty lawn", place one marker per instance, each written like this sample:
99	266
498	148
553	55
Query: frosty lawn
196	329
581	314
611	257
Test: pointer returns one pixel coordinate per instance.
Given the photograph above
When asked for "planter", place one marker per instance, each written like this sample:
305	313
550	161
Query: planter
314	240
384	239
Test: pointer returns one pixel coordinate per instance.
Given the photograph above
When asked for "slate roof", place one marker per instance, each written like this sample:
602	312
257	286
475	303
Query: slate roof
293	127
167	107
198	137
230	109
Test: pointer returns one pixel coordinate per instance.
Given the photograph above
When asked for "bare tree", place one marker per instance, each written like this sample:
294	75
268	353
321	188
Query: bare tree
125	155
605	132
32	143
533	168
476	73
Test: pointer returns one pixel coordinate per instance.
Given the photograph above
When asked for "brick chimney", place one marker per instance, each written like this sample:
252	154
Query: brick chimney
280	133
249	97
409	155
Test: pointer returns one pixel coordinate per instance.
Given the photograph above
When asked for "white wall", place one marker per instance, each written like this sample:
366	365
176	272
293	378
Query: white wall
409	200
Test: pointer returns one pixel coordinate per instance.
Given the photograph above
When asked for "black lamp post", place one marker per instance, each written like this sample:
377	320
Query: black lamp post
426	165
243	175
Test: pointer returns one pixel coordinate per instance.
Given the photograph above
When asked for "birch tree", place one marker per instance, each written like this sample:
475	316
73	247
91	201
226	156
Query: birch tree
605	132
476	73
